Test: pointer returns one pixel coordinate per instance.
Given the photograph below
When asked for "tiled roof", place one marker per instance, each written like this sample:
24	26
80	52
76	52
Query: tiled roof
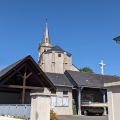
59	79
56	49
89	79
8	68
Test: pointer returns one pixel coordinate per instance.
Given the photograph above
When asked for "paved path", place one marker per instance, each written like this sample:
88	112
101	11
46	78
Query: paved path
83	117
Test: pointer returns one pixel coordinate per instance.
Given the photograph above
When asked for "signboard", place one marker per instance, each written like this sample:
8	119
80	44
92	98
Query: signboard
59	101
53	101
65	101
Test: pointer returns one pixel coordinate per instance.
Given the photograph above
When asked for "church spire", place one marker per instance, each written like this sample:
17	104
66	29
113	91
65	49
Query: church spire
46	37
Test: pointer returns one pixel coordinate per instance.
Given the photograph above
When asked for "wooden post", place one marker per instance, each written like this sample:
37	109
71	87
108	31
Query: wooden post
24	83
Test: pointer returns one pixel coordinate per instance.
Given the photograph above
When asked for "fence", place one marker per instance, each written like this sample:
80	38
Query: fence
21	110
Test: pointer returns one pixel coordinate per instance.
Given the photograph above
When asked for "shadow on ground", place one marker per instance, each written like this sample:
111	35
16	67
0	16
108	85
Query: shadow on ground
76	117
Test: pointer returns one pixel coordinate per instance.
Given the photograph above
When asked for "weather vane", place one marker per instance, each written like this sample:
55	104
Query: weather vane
46	19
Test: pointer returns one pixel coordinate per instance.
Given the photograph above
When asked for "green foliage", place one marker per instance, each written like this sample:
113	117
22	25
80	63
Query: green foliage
53	115
86	69
22	118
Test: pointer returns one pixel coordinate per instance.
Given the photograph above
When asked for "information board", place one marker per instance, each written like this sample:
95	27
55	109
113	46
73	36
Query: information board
59	101
65	101
53	101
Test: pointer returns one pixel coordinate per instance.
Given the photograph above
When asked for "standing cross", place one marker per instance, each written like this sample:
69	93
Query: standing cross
101	67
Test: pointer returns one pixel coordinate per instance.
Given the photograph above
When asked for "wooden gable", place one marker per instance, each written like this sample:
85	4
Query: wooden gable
24	75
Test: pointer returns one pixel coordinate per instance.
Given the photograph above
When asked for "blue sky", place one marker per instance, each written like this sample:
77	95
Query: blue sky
85	28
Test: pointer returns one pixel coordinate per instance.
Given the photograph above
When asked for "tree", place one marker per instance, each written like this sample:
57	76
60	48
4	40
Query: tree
86	69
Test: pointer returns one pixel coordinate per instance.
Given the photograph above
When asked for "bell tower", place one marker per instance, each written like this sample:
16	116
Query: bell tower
45	44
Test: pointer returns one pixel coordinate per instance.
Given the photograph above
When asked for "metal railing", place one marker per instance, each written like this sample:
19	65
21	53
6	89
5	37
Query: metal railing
20	110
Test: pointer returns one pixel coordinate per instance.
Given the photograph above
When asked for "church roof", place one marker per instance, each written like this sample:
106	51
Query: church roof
57	49
59	79
82	79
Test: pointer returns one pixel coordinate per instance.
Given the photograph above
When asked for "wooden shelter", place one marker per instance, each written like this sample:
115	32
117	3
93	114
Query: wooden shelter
24	75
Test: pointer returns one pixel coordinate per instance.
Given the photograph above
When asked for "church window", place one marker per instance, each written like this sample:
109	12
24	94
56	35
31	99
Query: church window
59	55
65	92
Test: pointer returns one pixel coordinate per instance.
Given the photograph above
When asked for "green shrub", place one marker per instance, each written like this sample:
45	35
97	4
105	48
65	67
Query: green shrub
22	118
53	115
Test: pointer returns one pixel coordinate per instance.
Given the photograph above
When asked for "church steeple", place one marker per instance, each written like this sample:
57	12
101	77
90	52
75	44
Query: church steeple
45	44
46	38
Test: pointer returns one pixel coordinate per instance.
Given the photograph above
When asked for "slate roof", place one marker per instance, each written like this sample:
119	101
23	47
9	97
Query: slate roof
89	79
8	68
59	79
56	49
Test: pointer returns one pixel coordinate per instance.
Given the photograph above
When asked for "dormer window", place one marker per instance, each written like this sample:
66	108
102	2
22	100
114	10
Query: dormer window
59	55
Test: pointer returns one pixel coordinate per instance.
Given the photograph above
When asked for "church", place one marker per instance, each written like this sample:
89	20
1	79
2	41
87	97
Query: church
54	74
53	59
71	84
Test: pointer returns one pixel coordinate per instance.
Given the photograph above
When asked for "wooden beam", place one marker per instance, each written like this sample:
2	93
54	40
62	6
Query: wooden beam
24	83
35	75
29	75
39	73
20	74
21	87
9	90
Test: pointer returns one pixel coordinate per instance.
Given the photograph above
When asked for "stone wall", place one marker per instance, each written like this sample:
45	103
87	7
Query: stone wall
113	102
51	62
59	93
64	110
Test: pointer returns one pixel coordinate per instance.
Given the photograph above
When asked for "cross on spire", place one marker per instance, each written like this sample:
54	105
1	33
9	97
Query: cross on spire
101	67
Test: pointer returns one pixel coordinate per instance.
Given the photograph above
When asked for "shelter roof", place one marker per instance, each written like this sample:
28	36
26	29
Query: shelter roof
37	76
89	79
8	68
